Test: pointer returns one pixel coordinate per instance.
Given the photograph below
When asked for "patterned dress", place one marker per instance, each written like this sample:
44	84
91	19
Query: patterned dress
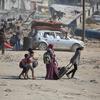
51	68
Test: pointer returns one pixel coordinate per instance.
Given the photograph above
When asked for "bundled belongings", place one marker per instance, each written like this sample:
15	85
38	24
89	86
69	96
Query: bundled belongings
64	70
46	25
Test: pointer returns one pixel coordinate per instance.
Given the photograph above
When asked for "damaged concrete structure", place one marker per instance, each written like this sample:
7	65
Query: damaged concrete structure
22	4
73	13
15	4
9	8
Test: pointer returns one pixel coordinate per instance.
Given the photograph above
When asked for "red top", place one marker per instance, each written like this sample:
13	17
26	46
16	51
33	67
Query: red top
26	61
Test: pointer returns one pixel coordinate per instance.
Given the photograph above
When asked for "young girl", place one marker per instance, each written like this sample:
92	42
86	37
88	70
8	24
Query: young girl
75	62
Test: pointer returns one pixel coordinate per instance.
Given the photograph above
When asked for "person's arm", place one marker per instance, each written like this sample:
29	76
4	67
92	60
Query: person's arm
35	58
76	53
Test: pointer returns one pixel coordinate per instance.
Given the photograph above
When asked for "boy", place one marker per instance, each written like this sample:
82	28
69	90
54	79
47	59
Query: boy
24	63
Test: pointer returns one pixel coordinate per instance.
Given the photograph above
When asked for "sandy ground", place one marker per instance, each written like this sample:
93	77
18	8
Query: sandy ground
85	85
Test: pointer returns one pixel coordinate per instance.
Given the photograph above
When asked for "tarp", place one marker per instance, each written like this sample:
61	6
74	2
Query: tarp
7	45
88	33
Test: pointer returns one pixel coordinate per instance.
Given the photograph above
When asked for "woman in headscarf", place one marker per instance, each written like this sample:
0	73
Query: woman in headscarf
51	68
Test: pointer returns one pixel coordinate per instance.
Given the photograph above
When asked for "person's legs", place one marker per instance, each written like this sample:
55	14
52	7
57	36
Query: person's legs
22	73
68	73
74	70
2	47
32	70
18	44
26	73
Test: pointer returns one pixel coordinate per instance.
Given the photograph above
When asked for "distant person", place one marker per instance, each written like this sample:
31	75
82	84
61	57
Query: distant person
75	60
18	38
51	63
2	38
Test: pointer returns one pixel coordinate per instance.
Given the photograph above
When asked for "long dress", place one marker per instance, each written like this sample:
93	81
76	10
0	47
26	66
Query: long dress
52	69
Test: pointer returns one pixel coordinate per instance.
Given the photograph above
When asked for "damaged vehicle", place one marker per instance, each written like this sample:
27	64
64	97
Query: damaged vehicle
50	32
42	38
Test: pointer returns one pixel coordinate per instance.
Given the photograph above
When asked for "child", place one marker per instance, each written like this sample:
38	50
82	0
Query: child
75	61
32	60
24	63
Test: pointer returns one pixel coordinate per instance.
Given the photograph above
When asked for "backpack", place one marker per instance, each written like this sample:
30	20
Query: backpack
20	64
47	58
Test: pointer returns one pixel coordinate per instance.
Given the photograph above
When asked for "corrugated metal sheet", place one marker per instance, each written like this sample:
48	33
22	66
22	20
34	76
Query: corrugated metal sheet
88	33
70	12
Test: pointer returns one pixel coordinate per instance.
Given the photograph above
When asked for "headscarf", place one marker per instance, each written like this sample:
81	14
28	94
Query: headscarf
30	50
50	46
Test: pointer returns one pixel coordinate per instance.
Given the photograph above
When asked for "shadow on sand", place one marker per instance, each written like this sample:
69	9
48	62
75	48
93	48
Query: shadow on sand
17	78
37	78
9	77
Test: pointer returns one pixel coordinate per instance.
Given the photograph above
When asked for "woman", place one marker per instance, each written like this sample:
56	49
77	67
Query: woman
51	68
